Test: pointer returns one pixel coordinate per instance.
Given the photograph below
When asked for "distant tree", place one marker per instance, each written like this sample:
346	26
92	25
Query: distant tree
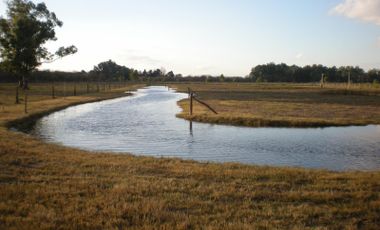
23	34
156	73
170	76
373	75
111	71
221	78
133	75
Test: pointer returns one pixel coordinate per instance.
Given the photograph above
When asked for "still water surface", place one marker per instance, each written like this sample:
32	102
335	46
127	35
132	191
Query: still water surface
145	124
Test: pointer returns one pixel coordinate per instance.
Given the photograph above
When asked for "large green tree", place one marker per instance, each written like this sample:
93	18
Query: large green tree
24	32
111	71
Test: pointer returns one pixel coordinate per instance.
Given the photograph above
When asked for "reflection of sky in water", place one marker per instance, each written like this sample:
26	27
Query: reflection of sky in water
146	124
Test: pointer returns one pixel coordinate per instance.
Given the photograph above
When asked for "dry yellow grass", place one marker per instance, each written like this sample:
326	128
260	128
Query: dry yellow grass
295	105
45	186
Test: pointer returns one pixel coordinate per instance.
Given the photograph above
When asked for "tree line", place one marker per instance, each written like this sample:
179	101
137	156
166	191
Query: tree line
111	71
106	71
272	72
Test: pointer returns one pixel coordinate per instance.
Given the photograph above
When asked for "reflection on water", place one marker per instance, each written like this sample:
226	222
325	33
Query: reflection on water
191	127
145	124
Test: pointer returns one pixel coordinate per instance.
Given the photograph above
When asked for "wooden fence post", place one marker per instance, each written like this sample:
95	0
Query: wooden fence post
64	89
192	98
17	96
191	103
26	101
52	91
205	104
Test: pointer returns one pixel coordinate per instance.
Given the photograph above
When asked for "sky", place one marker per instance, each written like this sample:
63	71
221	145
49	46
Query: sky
229	37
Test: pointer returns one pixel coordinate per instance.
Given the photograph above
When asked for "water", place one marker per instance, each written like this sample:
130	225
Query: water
145	124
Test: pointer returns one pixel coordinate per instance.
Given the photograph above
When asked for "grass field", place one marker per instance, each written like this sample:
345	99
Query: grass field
45	186
284	105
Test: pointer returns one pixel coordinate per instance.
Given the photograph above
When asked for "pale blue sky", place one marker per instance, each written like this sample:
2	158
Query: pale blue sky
216	36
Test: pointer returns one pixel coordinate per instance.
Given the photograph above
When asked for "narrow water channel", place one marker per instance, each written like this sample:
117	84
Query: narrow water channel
145	124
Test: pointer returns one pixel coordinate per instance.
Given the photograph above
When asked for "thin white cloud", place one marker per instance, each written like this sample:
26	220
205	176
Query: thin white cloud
299	55
136	57
143	59
365	10
204	67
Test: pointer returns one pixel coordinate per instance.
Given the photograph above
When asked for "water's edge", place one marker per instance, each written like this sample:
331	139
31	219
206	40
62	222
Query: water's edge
27	123
148	126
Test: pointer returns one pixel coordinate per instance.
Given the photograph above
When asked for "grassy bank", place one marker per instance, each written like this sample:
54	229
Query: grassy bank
45	186
284	105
